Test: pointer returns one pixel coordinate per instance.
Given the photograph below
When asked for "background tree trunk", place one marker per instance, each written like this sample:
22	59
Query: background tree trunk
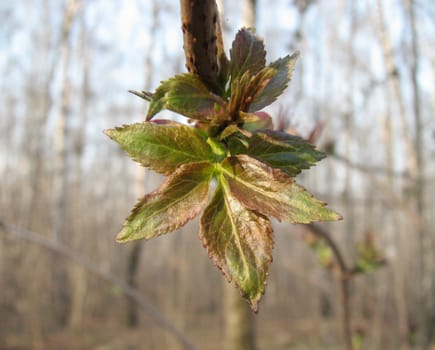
239	319
394	238
61	171
393	107
425	278
141	187
39	104
78	275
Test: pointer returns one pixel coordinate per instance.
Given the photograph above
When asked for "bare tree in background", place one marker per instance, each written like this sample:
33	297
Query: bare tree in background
40	103
239	319
62	131
78	274
135	252
393	96
61	140
425	278
389	143
348	128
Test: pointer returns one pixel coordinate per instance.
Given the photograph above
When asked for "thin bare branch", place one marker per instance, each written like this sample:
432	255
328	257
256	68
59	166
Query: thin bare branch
63	250
375	170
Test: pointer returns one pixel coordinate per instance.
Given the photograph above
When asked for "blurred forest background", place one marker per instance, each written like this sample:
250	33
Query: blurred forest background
365	84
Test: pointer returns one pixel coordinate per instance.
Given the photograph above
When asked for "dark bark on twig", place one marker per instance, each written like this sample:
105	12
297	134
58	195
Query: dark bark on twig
199	20
344	275
65	251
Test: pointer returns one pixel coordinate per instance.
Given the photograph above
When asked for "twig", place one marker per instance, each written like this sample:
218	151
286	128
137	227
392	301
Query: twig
199	24
65	251
371	169
344	275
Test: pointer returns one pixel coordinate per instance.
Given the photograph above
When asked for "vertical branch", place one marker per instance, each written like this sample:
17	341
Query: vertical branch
132	271
239	321
39	106
61	138
77	275
394	81
391	218
249	12
349	132
61	133
419	181
199	22
134	254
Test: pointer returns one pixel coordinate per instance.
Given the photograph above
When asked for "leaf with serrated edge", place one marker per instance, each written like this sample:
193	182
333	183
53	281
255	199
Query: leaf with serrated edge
162	147
147	96
233	129
245	89
272	192
284	69
179	199
187	95
257	121
247	53
280	150
239	241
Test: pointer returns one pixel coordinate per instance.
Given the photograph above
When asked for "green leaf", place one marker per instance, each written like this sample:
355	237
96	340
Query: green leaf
239	241
186	94
272	192
237	144
322	250
228	131
219	149
247	54
147	96
283	71
233	129
245	90
179	199
280	150
163	147
256	121
369	256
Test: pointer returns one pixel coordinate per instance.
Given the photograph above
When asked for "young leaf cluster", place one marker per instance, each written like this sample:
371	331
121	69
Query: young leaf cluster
232	144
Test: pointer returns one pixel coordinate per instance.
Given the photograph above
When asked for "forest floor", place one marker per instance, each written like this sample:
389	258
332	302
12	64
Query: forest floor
104	335
109	334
